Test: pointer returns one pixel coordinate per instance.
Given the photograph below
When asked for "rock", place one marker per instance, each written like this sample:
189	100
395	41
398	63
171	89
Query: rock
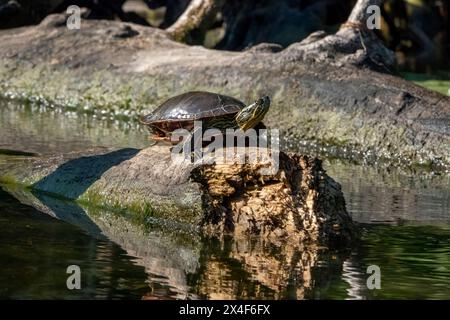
298	201
265	47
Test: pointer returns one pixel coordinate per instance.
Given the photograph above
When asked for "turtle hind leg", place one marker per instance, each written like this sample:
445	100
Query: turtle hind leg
158	140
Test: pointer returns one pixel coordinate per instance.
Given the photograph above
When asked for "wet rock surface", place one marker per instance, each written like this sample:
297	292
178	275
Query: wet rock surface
298	201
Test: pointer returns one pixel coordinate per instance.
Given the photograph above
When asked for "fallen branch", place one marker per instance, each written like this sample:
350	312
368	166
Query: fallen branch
197	16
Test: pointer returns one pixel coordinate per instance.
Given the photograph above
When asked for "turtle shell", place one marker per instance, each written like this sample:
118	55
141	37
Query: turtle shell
195	105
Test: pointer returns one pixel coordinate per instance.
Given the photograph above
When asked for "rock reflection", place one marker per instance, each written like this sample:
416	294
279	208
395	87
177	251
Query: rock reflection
185	265
36	249
246	269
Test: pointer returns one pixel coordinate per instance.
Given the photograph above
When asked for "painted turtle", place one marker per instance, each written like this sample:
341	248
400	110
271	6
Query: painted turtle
214	110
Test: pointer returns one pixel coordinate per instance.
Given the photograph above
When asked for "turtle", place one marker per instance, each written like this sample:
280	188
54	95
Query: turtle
214	110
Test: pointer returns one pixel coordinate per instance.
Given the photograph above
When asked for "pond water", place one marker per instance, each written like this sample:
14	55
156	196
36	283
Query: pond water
404	215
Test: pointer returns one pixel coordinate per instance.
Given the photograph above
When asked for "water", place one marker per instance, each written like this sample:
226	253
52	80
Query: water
36	250
405	221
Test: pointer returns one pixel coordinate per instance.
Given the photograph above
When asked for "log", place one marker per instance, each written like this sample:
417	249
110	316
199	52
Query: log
297	201
324	98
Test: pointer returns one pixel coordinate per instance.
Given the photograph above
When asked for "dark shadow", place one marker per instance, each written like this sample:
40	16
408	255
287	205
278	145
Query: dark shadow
70	212
38	203
10	152
75	176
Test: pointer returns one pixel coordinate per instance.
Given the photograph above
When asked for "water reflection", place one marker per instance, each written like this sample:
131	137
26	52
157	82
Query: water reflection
414	260
36	249
394	196
48	131
414	263
188	266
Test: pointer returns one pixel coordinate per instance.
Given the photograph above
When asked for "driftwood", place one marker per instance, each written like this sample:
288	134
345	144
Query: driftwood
298	201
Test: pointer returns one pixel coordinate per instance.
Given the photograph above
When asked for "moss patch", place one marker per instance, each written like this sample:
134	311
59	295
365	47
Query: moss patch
141	210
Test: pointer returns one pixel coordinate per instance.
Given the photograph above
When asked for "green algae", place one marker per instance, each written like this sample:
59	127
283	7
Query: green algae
9	180
141	210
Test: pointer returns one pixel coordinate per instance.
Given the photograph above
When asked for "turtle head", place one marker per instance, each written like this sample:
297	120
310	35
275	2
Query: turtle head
251	115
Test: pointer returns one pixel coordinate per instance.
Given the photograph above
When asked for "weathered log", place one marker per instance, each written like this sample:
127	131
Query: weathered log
298	201
317	99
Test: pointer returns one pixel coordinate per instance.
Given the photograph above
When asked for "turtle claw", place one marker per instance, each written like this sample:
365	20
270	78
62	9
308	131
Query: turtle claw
196	157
